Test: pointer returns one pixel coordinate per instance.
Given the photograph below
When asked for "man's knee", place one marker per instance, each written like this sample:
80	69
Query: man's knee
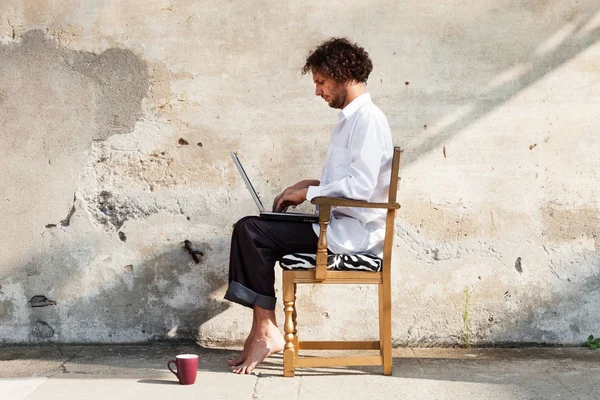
244	224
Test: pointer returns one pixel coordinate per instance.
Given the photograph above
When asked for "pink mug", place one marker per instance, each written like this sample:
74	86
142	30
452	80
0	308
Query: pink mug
186	368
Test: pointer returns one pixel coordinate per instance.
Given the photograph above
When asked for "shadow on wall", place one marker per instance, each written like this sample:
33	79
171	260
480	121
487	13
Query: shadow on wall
566	314
563	43
529	303
164	297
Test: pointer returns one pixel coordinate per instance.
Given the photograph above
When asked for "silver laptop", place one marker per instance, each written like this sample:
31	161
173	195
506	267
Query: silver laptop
283	216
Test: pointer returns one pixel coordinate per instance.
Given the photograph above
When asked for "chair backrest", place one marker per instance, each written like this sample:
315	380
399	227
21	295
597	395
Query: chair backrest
395	177
391	214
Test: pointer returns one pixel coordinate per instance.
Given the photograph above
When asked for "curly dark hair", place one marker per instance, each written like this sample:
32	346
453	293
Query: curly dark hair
341	60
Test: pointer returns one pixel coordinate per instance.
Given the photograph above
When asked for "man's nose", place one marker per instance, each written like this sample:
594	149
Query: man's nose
318	91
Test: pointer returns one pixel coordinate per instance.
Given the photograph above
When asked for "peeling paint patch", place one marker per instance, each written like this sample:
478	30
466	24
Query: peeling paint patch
123	80
42	330
41	301
120	77
114	211
156	170
111	211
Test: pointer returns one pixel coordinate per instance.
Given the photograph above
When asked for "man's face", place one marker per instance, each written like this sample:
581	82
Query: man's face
333	92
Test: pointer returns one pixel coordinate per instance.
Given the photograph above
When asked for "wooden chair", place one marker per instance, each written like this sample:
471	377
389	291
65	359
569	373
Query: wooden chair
322	275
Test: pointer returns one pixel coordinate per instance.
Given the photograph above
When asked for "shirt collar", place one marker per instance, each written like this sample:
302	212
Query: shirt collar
354	106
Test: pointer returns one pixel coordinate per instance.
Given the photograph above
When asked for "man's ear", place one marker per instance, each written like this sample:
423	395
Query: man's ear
350	82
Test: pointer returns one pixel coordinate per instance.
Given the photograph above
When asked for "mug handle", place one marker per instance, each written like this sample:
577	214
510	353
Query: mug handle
170	369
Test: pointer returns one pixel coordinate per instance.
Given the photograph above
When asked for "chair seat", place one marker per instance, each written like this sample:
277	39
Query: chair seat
339	262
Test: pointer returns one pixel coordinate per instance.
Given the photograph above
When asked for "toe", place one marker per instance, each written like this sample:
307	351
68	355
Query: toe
240	369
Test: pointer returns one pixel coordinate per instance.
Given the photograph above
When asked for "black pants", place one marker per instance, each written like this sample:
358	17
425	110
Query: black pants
256	244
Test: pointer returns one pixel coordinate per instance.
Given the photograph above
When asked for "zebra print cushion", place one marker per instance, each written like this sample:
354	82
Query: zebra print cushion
340	262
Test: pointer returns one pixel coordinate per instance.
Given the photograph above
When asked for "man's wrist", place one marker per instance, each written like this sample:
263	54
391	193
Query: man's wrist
304	193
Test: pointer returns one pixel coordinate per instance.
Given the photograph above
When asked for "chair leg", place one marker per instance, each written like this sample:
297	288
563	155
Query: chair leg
294	318
385	324
288	302
381	318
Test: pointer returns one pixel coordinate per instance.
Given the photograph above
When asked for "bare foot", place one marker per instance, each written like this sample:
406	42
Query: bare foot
242	357
262	346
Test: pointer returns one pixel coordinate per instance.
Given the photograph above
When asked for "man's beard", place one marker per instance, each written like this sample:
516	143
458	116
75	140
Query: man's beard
338	100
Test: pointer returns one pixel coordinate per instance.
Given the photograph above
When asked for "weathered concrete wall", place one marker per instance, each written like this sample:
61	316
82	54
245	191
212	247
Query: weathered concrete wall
116	121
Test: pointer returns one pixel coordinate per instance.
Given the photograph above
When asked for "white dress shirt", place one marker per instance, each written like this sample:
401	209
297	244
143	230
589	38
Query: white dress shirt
358	166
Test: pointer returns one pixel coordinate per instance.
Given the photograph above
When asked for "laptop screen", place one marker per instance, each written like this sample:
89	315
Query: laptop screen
238	164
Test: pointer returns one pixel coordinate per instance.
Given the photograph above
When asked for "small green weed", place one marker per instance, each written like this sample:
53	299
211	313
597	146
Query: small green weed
593	343
466	319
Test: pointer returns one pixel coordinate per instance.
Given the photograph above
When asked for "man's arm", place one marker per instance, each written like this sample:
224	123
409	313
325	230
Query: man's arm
293	195
306	183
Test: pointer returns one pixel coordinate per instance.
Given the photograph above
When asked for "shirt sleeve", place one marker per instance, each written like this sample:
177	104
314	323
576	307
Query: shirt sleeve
364	154
312	192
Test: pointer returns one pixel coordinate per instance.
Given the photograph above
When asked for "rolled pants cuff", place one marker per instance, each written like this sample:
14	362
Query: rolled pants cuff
240	294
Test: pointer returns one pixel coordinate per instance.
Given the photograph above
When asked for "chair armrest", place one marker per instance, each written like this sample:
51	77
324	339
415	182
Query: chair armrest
340	201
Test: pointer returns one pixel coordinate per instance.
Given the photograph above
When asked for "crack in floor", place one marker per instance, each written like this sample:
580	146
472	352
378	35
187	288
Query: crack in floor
299	388
64	367
254	394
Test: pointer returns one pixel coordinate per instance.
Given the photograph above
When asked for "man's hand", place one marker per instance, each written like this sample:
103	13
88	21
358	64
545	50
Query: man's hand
293	195
290	197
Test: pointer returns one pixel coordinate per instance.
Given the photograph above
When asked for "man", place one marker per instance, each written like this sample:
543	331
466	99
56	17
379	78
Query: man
358	166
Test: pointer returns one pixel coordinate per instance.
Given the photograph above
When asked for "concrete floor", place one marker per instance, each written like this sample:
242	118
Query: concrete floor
139	372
